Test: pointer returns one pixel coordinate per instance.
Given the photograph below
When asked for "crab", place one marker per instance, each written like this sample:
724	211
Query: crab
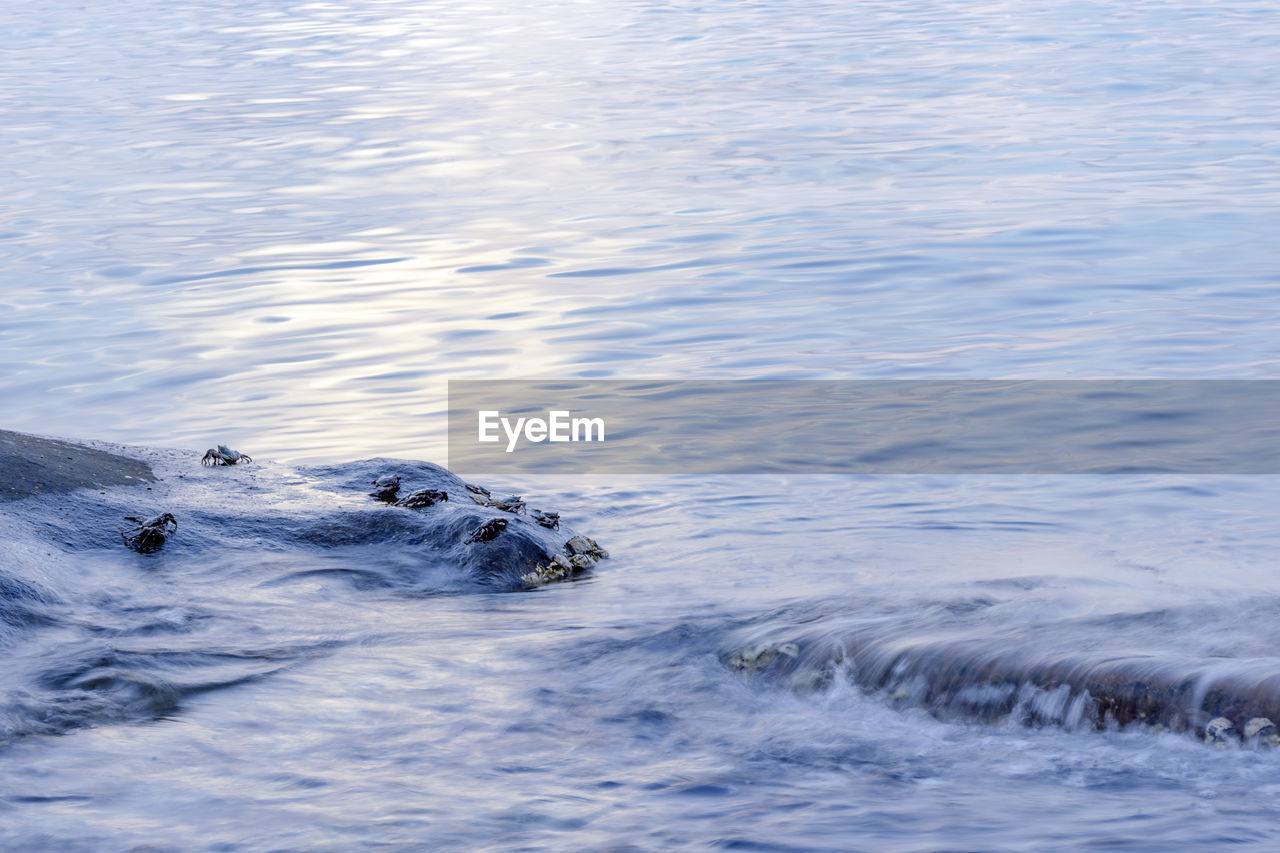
513	504
549	520
487	531
386	488
150	533
223	455
423	497
479	494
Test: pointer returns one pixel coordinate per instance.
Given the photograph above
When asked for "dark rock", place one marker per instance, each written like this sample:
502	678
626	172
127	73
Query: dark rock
30	466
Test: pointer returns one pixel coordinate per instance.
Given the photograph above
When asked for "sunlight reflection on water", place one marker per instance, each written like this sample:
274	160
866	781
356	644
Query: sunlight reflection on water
289	228
286	227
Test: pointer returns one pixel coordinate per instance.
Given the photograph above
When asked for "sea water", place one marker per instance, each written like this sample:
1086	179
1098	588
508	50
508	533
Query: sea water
285	227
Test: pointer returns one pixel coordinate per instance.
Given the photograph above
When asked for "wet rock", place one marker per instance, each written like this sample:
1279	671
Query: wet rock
587	547
1220	732
1261	732
276	509
758	657
580	554
559	568
490	538
991	681
30	466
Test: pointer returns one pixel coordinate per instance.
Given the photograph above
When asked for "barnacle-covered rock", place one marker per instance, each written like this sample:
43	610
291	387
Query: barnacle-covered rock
1261	732
446	521
558	569
757	657
580	554
586	546
1220	732
490	537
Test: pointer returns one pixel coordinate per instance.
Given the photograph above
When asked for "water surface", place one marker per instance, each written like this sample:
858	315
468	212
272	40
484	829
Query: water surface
285	227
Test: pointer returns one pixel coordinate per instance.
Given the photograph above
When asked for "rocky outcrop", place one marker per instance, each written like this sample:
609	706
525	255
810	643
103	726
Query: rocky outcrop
439	520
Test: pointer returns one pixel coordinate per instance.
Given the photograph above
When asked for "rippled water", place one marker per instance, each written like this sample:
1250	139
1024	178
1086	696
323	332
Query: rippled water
286	227
293	224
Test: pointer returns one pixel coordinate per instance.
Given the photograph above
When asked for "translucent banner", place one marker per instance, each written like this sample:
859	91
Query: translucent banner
865	427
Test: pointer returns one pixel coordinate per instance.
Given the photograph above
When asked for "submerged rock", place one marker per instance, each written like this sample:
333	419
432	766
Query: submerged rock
756	658
1220	732
996	683
1261	732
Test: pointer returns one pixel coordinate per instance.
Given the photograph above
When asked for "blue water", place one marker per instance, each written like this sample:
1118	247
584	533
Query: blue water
285	227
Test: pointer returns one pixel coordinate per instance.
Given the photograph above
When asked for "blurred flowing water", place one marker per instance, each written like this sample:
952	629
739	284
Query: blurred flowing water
285	227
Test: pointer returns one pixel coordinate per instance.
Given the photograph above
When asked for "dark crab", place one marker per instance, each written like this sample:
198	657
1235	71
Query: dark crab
512	504
488	531
150	533
386	488
423	497
549	520
223	455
